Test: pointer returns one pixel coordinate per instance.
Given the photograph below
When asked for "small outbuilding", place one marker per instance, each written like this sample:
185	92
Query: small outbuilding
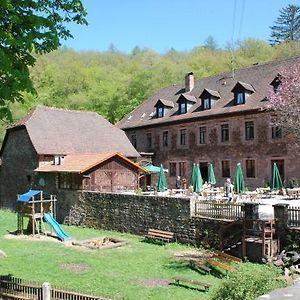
104	172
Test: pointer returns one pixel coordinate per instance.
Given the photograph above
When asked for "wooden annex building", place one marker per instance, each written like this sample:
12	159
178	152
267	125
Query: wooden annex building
104	172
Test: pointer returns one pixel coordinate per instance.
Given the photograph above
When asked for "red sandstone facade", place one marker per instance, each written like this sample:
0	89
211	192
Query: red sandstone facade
224	134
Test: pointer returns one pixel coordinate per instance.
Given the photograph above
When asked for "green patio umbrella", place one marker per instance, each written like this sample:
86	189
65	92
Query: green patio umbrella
192	180
211	175
276	178
154	169
197	183
239	183
162	182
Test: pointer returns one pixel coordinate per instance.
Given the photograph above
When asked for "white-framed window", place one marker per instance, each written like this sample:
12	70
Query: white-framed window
240	98
206	103
202	135
183	136
165	138
182	107
160	111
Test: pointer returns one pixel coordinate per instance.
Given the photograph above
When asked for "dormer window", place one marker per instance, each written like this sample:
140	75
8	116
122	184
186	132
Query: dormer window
185	102
208	98
241	92
276	82
162	107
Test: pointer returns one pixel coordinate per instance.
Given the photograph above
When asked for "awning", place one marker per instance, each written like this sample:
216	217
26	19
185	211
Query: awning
27	196
154	169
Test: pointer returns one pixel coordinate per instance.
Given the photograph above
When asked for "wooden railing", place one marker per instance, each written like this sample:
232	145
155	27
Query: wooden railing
16	288
58	293
293	216
215	210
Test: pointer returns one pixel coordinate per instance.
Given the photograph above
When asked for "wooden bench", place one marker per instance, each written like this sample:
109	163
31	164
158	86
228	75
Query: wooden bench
200	265
216	263
164	236
197	283
227	257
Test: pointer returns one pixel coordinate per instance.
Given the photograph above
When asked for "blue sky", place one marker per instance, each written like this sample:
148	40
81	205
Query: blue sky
178	24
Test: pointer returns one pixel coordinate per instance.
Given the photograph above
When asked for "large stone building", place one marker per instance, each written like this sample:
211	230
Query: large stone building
219	120
61	149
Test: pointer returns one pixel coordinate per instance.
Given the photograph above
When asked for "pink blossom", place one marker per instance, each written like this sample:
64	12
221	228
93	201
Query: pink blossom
285	100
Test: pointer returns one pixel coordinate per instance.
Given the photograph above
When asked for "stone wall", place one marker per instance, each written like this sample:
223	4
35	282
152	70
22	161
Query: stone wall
19	159
136	214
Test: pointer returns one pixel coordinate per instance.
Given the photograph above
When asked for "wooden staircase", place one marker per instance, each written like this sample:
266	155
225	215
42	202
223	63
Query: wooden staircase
255	240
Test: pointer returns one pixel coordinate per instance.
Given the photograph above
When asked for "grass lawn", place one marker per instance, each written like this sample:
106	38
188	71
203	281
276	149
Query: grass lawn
119	273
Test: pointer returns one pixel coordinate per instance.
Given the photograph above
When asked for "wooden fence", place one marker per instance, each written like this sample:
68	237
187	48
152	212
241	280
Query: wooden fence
293	216
215	210
16	288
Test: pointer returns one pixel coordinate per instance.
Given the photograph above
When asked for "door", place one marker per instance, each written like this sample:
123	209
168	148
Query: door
204	170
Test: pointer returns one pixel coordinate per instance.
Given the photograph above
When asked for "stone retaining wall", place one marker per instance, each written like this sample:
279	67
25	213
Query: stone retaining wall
136	214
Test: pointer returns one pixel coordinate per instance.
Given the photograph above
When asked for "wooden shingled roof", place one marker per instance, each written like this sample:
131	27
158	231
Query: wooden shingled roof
81	163
60	131
256	78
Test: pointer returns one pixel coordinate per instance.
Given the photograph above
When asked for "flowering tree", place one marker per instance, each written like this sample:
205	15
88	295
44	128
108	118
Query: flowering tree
284	100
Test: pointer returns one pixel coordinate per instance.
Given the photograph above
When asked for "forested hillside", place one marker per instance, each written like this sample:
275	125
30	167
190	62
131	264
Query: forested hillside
113	83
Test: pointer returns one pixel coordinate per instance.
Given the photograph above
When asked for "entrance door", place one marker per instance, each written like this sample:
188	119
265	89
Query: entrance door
204	170
280	165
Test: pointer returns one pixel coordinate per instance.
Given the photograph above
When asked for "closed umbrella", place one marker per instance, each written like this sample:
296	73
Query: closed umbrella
197	180
276	178
192	181
162	182
211	175
239	183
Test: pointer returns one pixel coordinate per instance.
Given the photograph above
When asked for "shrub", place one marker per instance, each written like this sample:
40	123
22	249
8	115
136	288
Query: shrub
249	282
293	183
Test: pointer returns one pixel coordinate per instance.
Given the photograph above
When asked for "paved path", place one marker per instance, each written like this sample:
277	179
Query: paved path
291	293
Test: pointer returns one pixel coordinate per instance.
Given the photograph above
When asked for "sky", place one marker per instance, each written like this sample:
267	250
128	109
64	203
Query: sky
179	24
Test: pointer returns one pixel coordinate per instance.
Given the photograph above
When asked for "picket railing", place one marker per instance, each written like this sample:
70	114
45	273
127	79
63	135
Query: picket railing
293	216
17	288
215	210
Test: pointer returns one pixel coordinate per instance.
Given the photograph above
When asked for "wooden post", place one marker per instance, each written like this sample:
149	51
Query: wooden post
46	291
281	214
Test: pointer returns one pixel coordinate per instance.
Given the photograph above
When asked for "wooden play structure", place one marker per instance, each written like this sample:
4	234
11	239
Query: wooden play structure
34	205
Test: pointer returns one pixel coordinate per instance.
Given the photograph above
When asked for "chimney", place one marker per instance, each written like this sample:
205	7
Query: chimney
189	81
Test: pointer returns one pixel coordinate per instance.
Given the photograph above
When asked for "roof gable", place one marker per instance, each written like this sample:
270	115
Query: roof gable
244	86
82	163
209	92
163	102
188	98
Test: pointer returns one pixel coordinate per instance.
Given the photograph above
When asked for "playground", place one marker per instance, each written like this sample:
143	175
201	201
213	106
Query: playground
38	208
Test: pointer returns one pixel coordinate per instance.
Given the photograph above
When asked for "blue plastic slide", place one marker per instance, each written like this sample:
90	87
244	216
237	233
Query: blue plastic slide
56	227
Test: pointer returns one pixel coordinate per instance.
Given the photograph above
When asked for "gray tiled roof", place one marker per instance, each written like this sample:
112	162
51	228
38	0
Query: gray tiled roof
59	131
257	78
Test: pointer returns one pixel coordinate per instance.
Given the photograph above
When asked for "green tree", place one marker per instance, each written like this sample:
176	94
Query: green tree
210	43
287	25
28	27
